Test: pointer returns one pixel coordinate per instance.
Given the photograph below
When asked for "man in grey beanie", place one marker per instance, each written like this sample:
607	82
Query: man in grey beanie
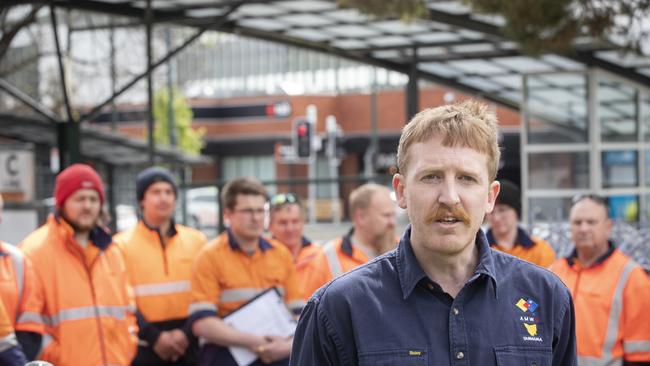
159	255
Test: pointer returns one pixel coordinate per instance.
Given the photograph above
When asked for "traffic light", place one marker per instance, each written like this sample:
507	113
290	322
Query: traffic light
303	133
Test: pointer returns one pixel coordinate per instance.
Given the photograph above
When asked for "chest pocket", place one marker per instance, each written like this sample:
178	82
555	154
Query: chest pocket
402	357
523	356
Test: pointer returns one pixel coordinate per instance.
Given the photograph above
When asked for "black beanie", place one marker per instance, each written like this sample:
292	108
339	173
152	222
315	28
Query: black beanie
150	176
509	195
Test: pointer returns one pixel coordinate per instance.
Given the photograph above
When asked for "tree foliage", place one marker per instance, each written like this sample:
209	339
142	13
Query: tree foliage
541	25
188	139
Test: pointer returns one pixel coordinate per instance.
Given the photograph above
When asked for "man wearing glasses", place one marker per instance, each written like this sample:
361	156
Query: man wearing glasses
286	224
611	292
231	270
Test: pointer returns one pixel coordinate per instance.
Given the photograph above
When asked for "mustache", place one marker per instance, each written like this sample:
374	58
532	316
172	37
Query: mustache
443	211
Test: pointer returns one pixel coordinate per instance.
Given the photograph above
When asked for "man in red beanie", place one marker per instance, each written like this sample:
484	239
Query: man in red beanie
86	304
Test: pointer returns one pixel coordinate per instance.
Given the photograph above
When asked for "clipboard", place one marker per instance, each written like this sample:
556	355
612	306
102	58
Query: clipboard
264	314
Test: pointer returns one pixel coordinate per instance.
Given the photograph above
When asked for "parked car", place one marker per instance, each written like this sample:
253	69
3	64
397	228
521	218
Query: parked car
203	207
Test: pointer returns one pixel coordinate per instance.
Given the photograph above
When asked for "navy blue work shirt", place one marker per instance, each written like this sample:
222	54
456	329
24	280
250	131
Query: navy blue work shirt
388	312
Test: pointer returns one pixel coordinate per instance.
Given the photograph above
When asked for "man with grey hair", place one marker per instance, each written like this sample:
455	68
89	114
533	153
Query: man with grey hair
443	297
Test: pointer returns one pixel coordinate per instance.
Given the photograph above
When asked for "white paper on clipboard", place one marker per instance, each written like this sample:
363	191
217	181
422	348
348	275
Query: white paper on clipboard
266	314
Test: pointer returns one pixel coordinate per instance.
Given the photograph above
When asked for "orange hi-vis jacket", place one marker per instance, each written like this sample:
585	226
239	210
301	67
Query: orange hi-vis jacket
311	274
341	256
611	298
529	248
10	353
159	269
86	303
18	288
224	277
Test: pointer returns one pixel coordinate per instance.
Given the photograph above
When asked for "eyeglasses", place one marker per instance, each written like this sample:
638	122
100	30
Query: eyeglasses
251	211
283	199
592	196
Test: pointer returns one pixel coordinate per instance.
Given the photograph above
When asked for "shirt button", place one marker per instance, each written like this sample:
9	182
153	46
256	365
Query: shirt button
455	310
460	355
533	363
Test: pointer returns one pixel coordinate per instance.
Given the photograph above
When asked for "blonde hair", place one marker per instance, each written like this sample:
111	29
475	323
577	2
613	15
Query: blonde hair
468	124
361	197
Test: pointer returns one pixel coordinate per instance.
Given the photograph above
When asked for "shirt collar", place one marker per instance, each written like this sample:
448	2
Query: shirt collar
346	243
263	243
411	273
172	228
305	242
98	236
522	239
571	259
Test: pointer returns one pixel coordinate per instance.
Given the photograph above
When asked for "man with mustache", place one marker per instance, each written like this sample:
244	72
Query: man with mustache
159	254
443	297
373	231
85	301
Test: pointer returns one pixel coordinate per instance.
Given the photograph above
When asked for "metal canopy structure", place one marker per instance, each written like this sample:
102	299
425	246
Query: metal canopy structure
96	144
453	47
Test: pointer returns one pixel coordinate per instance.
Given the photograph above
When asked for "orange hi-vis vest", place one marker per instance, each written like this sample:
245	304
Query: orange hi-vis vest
160	269
7	336
18	288
311	274
86	303
611	298
342	256
224	277
529	248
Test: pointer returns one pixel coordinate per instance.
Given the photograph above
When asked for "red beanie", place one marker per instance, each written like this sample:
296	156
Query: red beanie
75	177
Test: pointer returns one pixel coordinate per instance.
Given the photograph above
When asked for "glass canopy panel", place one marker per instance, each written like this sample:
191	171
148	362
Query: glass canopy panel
558	170
645	116
557	108
618	112
619	168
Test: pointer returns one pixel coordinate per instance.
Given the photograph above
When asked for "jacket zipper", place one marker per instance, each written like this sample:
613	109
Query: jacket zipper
163	245
577	285
102	344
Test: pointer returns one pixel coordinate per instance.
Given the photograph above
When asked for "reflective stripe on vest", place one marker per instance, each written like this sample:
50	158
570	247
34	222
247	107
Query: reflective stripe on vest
592	361
30	317
165	288
243	294
8	342
18	262
333	259
202	306
612	324
88	312
45	341
636	346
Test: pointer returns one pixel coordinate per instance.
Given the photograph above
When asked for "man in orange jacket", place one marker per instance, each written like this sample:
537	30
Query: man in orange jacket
234	268
18	293
611	292
372	212
506	235
10	352
86	303
159	255
286	224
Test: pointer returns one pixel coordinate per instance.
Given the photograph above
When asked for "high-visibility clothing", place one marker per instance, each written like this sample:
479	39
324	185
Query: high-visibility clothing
529	248
310	272
612	298
10	353
17	288
341	256
87	307
224	277
159	269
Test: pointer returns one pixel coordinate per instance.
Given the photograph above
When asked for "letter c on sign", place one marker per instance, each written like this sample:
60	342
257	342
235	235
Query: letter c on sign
11	164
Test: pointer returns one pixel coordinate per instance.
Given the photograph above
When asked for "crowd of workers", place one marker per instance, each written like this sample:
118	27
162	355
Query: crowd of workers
157	294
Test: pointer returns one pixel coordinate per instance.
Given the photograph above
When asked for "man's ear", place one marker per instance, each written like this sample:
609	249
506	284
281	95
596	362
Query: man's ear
400	190
493	192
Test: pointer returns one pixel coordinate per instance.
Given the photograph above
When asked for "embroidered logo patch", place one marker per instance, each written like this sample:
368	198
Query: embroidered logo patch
530	320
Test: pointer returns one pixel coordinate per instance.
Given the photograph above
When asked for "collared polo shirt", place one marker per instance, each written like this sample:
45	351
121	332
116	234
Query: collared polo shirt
388	312
529	248
224	277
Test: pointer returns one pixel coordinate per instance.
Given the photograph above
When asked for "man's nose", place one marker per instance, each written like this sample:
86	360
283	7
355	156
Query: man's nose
449	192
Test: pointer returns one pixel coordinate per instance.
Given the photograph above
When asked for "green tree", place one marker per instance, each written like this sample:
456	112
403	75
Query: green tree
540	25
188	139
